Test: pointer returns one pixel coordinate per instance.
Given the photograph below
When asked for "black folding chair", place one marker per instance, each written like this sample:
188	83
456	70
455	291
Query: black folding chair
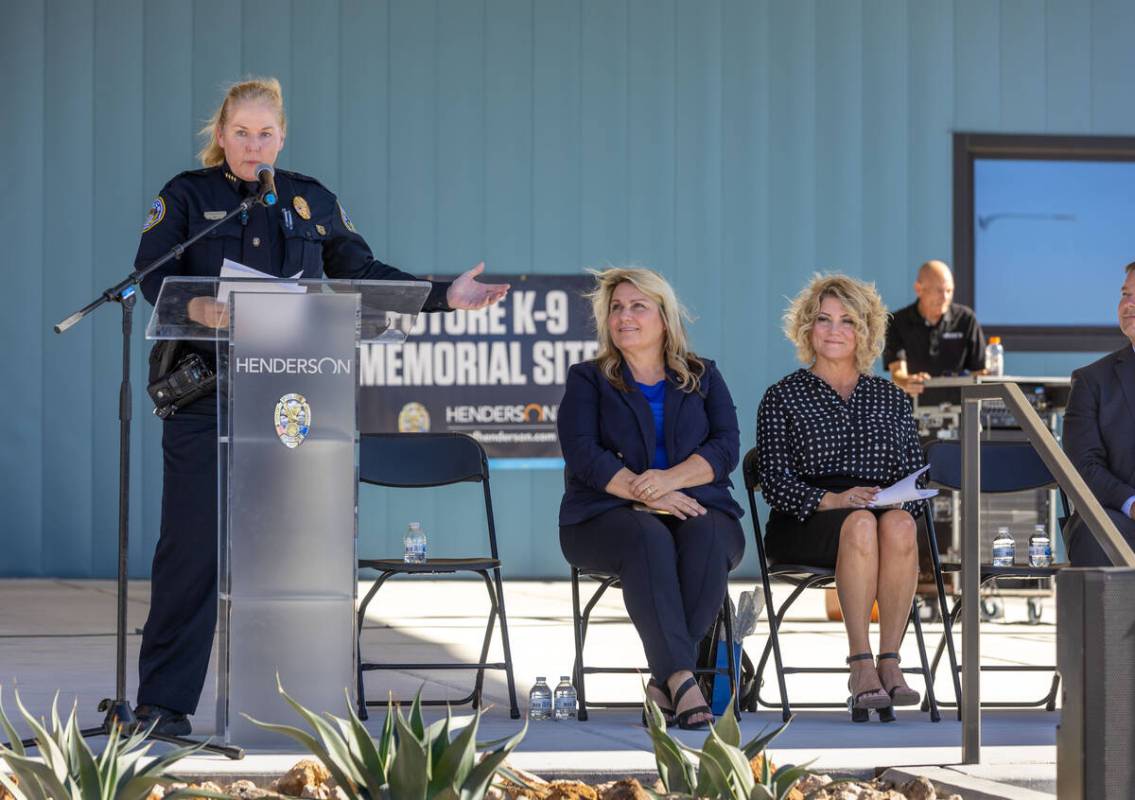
807	576
1005	467
582	618
418	461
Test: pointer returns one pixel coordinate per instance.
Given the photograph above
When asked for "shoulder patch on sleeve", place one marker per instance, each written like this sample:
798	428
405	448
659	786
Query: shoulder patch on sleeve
346	219
156	215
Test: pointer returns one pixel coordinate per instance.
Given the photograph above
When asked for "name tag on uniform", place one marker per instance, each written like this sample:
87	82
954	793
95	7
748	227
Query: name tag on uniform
952	335
214	215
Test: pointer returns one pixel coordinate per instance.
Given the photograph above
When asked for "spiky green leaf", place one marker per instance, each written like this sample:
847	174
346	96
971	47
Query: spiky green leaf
417	725
452	766
481	776
409	775
758	744
370	759
15	743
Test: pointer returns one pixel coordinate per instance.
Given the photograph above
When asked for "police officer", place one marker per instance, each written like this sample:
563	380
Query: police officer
933	336
307	232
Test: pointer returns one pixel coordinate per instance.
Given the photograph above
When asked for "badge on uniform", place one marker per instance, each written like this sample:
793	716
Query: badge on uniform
301	207
321	230
293	419
346	220
156	215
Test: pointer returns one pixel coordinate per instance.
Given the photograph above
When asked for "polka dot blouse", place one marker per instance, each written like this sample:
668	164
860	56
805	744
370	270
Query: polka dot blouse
805	429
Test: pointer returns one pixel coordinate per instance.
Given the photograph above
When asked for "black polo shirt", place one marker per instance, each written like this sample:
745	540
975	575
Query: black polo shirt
953	346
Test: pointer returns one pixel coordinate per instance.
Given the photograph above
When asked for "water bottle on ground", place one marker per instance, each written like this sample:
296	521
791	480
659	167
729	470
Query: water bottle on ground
1040	548
995	356
1004	549
540	700
414	544
565	700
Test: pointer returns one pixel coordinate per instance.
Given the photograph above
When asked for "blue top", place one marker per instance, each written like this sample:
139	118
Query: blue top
655	394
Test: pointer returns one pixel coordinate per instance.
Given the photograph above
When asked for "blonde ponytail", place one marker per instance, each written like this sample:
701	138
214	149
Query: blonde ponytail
258	90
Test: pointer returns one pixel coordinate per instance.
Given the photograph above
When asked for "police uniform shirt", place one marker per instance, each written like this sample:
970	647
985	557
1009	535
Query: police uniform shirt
307	231
953	346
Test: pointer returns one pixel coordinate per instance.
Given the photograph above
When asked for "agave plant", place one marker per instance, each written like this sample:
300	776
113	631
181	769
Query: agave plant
720	769
408	761
67	768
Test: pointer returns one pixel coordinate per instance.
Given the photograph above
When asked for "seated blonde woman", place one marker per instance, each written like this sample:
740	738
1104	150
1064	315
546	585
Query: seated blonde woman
829	436
649	426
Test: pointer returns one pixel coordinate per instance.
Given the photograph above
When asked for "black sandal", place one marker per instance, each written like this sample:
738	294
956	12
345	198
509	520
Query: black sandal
900	695
861	704
683	718
667	713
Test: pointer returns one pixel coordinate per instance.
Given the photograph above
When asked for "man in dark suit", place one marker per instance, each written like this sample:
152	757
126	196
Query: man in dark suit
1099	436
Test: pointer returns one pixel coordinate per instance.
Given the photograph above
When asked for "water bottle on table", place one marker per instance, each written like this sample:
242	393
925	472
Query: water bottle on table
995	356
414	544
1040	548
1004	549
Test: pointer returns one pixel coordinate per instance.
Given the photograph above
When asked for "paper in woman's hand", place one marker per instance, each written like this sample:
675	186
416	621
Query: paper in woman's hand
904	491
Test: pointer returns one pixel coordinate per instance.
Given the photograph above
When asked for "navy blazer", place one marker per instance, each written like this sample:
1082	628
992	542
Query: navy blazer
1099	428
603	429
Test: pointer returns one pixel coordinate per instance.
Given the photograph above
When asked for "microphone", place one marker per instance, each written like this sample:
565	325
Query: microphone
266	177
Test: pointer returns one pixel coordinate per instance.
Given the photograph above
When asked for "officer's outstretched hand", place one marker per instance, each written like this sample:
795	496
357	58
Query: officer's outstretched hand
466	292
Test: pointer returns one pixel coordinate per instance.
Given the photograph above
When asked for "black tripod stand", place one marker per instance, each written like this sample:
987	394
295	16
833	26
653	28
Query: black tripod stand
119	714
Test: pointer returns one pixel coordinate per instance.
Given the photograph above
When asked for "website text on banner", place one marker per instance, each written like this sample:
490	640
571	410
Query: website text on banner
496	374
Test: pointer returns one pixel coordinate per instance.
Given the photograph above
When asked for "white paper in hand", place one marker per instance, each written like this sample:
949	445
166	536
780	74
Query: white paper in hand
234	269
904	491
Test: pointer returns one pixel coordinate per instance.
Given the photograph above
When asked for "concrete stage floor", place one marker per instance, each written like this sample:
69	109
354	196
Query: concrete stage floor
58	635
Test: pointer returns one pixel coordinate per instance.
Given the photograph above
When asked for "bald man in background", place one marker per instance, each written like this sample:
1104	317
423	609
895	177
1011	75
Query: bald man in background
933	336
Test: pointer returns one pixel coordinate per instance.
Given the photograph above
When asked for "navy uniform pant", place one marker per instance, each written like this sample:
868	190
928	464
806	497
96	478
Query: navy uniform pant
673	574
178	636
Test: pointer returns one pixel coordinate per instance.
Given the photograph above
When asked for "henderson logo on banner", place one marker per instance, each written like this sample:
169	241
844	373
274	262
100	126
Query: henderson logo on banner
496	374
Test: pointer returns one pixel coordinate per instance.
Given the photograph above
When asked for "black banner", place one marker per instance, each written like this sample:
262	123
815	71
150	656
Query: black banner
496	374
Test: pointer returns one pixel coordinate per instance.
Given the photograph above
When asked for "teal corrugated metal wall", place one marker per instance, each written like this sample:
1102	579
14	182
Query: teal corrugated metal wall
735	145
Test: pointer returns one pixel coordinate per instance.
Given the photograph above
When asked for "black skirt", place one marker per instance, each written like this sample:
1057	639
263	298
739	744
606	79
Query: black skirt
815	541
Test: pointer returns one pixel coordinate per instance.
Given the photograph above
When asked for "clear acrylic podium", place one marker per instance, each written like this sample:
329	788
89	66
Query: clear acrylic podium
287	386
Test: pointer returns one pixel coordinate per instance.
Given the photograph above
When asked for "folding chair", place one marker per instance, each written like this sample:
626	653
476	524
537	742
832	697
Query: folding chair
1005	467
418	461
806	576
582	618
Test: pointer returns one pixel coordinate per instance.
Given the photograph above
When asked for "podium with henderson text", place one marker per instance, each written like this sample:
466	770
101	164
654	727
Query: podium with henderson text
287	386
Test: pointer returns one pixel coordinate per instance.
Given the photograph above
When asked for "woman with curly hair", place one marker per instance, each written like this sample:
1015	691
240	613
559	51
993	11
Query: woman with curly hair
649	436
829	436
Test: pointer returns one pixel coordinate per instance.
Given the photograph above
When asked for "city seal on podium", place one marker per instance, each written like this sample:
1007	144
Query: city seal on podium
293	419
414	418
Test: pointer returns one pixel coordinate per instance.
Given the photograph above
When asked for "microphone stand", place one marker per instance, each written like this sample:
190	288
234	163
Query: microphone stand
119	714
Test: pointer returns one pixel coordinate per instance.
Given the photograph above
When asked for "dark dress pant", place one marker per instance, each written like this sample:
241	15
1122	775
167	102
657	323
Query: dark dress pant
673	573
178	636
1083	550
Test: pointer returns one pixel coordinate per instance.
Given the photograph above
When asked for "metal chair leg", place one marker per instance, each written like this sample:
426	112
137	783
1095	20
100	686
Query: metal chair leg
927	675
775	617
479	682
510	678
943	607
577	629
360	619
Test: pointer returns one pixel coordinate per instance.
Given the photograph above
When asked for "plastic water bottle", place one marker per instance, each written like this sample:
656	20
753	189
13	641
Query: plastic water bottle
414	544
1040	548
540	700
1004	549
995	356
565	700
